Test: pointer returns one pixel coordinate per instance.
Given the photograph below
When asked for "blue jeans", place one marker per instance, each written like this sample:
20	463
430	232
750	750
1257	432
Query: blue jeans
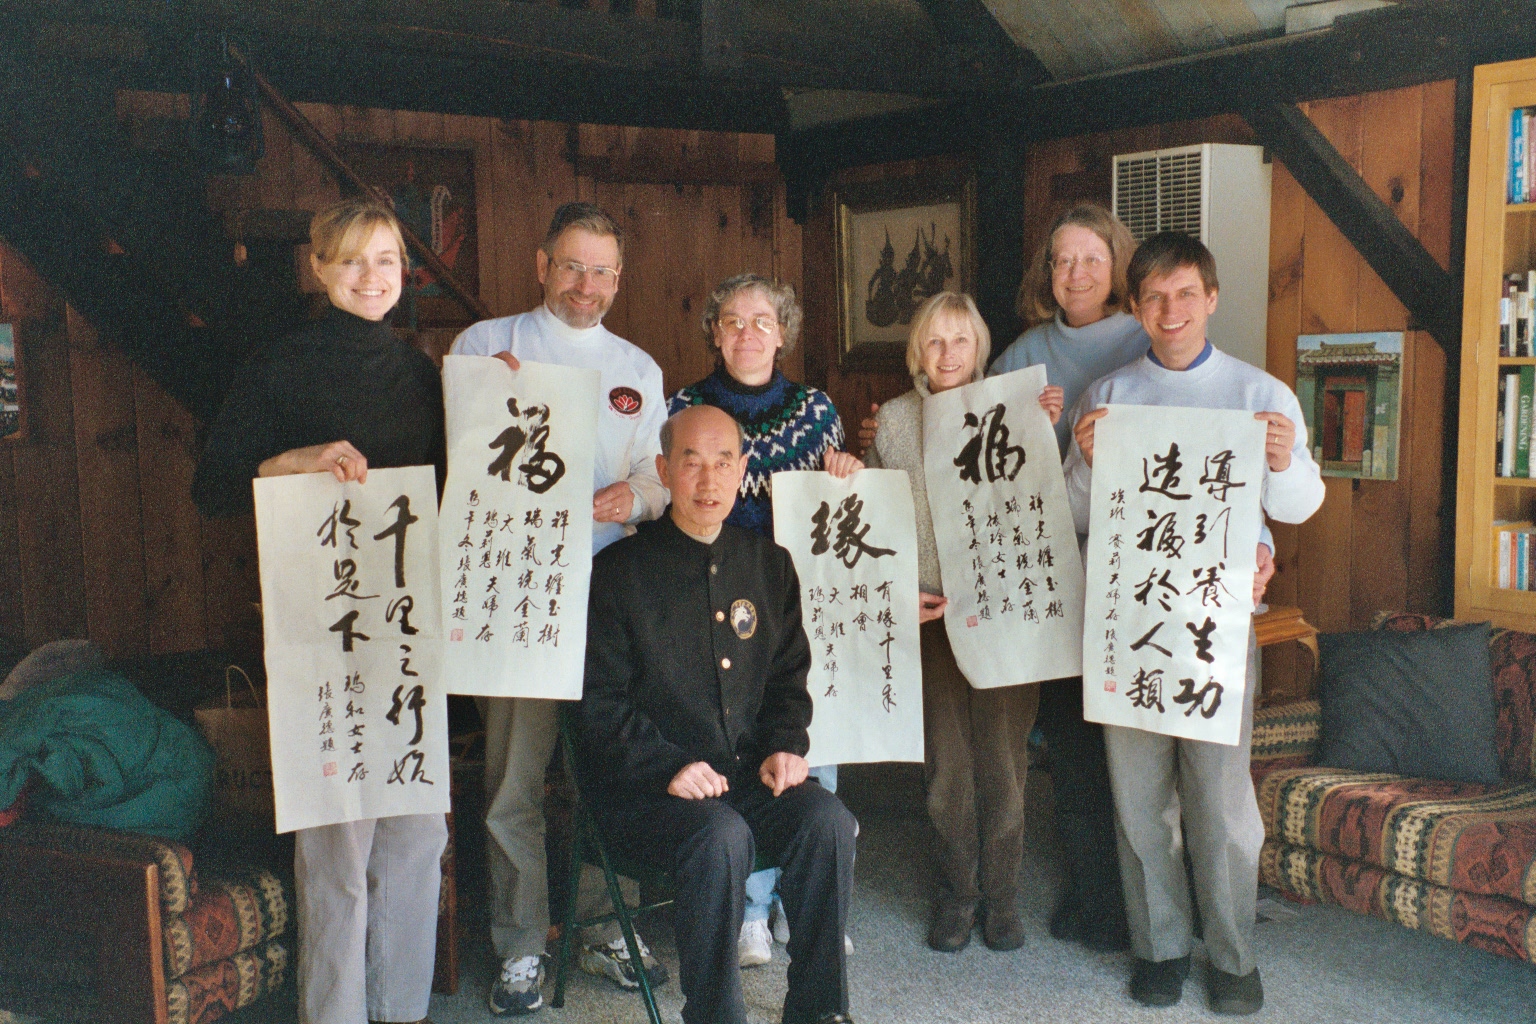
761	884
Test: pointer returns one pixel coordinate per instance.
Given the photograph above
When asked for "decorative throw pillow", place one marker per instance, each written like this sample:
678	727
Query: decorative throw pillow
1418	704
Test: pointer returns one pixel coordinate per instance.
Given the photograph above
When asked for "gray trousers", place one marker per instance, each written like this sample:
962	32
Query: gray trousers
1160	784
367	915
520	737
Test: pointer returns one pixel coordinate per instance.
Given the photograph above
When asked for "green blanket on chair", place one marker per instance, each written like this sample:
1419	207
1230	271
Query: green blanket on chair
103	755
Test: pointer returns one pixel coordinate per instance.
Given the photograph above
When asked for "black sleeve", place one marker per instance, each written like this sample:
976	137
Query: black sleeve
432	387
244	434
619	742
785	714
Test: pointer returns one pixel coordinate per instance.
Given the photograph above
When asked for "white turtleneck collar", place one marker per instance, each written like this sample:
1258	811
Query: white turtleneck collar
554	327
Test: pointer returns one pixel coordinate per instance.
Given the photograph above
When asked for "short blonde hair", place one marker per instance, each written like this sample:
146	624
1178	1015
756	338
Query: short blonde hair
786	308
953	304
1037	297
340	230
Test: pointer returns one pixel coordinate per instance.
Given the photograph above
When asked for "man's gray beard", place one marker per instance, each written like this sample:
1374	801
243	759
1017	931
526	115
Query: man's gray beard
567	316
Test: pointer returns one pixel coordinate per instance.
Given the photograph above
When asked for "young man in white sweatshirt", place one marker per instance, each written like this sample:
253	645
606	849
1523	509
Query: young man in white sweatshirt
1167	789
578	264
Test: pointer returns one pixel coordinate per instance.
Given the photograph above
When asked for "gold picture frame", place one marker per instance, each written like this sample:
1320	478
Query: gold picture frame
898	241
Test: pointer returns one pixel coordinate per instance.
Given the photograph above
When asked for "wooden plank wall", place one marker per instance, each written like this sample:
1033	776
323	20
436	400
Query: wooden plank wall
98	534
1374	545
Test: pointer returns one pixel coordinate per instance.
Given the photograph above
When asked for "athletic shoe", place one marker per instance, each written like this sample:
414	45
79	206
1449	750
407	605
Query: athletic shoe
754	947
779	921
519	989
611	960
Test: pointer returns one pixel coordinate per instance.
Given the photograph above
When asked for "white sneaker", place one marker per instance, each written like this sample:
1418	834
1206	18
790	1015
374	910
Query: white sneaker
779	921
753	946
847	946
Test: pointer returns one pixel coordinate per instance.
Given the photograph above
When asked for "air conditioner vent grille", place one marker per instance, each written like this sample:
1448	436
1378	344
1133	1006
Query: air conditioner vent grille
1159	192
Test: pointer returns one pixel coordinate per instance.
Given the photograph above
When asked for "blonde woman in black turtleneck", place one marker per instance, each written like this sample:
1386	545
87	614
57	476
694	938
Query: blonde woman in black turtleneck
339	396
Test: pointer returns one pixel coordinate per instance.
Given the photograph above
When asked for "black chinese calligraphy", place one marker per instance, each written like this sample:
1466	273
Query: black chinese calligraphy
542	469
413	700
1168	467
417	762
345	572
343	626
986	450
1146	690
850	545
1203	640
1198	700
341	515
403	521
1220	480
1162	536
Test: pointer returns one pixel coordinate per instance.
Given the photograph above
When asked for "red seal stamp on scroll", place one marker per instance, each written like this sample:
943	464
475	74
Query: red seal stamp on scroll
625	401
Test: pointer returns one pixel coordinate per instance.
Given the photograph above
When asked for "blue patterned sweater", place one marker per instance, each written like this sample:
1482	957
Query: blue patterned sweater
788	426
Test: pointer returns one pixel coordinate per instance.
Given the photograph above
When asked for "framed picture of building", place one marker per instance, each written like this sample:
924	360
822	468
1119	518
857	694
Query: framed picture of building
11	408
433	192
1350	389
898	242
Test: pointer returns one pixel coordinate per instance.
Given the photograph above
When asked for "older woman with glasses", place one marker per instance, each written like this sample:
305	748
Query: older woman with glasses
1074	298
750	323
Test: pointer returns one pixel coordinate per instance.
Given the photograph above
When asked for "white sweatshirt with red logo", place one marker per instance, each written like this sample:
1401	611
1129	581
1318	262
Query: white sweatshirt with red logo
632	406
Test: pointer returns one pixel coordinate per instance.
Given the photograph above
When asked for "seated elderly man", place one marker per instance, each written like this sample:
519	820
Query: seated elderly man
693	730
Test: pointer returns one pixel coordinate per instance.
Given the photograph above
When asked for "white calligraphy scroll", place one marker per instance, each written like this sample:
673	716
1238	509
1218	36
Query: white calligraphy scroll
854	542
1173	528
349	609
517	526
1007	549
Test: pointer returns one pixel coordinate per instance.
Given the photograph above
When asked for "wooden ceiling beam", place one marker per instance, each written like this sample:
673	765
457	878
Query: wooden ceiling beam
992	55
1385	49
1430	294
560	47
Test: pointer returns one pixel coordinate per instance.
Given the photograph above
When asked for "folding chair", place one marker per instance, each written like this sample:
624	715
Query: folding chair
587	847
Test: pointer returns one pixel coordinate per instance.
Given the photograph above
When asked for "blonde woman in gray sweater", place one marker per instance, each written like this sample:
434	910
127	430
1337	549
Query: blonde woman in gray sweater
975	739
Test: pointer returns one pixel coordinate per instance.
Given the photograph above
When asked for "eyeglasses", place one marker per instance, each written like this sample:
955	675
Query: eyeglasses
762	323
1092	261
603	275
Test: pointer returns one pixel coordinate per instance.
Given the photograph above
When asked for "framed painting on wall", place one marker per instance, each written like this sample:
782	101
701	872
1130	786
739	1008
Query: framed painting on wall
1350	389
12	420
898	242
433	191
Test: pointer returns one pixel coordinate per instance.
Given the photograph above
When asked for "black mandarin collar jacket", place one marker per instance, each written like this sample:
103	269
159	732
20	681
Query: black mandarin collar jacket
695	652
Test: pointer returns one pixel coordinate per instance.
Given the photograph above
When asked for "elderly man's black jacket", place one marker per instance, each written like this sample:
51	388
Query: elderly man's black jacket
695	652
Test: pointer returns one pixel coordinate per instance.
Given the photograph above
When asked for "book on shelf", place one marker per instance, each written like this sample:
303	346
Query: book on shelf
1523	421
1511	392
1517	156
1507	317
1522	320
1513	553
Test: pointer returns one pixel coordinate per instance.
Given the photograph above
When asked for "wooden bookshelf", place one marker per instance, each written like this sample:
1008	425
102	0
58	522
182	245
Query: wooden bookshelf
1501	239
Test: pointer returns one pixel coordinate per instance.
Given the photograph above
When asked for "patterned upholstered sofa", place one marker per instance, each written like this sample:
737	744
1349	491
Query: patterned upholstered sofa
1453	859
172	947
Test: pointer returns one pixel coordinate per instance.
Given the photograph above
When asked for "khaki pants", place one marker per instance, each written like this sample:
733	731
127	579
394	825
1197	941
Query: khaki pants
520	737
977	759
367	917
1162	783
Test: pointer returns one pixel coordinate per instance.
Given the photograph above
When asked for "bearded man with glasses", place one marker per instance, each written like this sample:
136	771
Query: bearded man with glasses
578	263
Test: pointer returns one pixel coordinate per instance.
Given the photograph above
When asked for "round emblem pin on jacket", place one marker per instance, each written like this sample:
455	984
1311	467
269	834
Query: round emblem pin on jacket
744	619
625	401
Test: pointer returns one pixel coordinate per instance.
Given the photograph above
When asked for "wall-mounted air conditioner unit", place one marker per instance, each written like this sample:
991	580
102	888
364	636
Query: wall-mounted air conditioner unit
1219	194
